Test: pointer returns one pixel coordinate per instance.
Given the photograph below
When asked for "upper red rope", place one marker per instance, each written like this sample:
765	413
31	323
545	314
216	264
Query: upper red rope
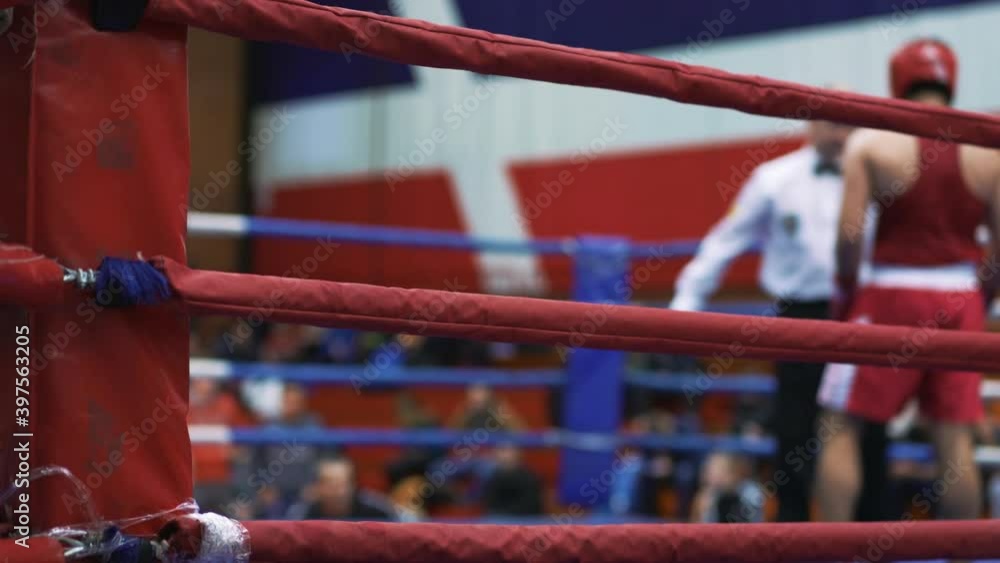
426	44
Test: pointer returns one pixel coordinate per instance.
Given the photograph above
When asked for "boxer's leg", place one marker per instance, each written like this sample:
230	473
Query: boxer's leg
838	482
958	474
852	397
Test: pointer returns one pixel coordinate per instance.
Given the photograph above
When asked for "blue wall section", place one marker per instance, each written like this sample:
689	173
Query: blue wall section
643	24
282	72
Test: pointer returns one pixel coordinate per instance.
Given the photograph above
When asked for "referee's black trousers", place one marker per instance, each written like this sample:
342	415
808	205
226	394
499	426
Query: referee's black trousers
795	418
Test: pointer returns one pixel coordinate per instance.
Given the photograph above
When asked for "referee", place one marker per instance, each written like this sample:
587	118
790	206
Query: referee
790	207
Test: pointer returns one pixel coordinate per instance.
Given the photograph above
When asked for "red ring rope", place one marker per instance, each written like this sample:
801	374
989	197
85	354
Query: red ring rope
29	279
426	44
37	281
339	542
550	322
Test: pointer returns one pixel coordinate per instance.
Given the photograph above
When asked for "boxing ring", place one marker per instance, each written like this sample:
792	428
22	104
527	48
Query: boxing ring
614	369
95	268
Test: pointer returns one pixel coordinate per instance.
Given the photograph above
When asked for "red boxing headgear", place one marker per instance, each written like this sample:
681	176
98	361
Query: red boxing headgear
923	61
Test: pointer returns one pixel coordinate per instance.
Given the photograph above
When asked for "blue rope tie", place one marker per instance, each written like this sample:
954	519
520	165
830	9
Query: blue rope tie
131	282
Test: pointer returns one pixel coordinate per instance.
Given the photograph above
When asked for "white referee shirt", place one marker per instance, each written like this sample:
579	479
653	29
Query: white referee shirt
792	212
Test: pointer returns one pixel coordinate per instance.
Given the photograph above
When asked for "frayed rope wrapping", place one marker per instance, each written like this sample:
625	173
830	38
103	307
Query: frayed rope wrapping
131	282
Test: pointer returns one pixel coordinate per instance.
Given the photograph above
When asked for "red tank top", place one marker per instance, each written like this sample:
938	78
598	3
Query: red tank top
933	223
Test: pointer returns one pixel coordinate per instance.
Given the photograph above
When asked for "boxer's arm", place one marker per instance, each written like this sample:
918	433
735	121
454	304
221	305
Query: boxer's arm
991	275
857	194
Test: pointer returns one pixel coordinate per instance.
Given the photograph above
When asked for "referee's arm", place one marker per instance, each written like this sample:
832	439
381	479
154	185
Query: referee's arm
744	224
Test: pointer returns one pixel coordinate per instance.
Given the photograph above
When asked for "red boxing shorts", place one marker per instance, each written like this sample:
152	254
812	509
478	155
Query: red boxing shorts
879	393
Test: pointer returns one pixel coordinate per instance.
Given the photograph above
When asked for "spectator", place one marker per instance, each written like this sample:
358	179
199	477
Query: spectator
335	496
295	407
414	460
512	489
213	463
286	343
644	475
340	346
286	467
986	435
238	342
266	504
727	493
454	353
751	417
279	344
408	496
483	409
994	495
625	490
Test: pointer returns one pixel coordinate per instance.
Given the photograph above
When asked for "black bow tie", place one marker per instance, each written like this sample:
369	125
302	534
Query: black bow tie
823	167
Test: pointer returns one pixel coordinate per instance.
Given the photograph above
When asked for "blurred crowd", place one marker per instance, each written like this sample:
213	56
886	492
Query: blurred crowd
480	478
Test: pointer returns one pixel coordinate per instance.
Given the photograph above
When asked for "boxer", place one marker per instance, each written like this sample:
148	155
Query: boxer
930	196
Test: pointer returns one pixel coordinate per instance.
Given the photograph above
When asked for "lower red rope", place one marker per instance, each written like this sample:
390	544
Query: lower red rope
338	542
